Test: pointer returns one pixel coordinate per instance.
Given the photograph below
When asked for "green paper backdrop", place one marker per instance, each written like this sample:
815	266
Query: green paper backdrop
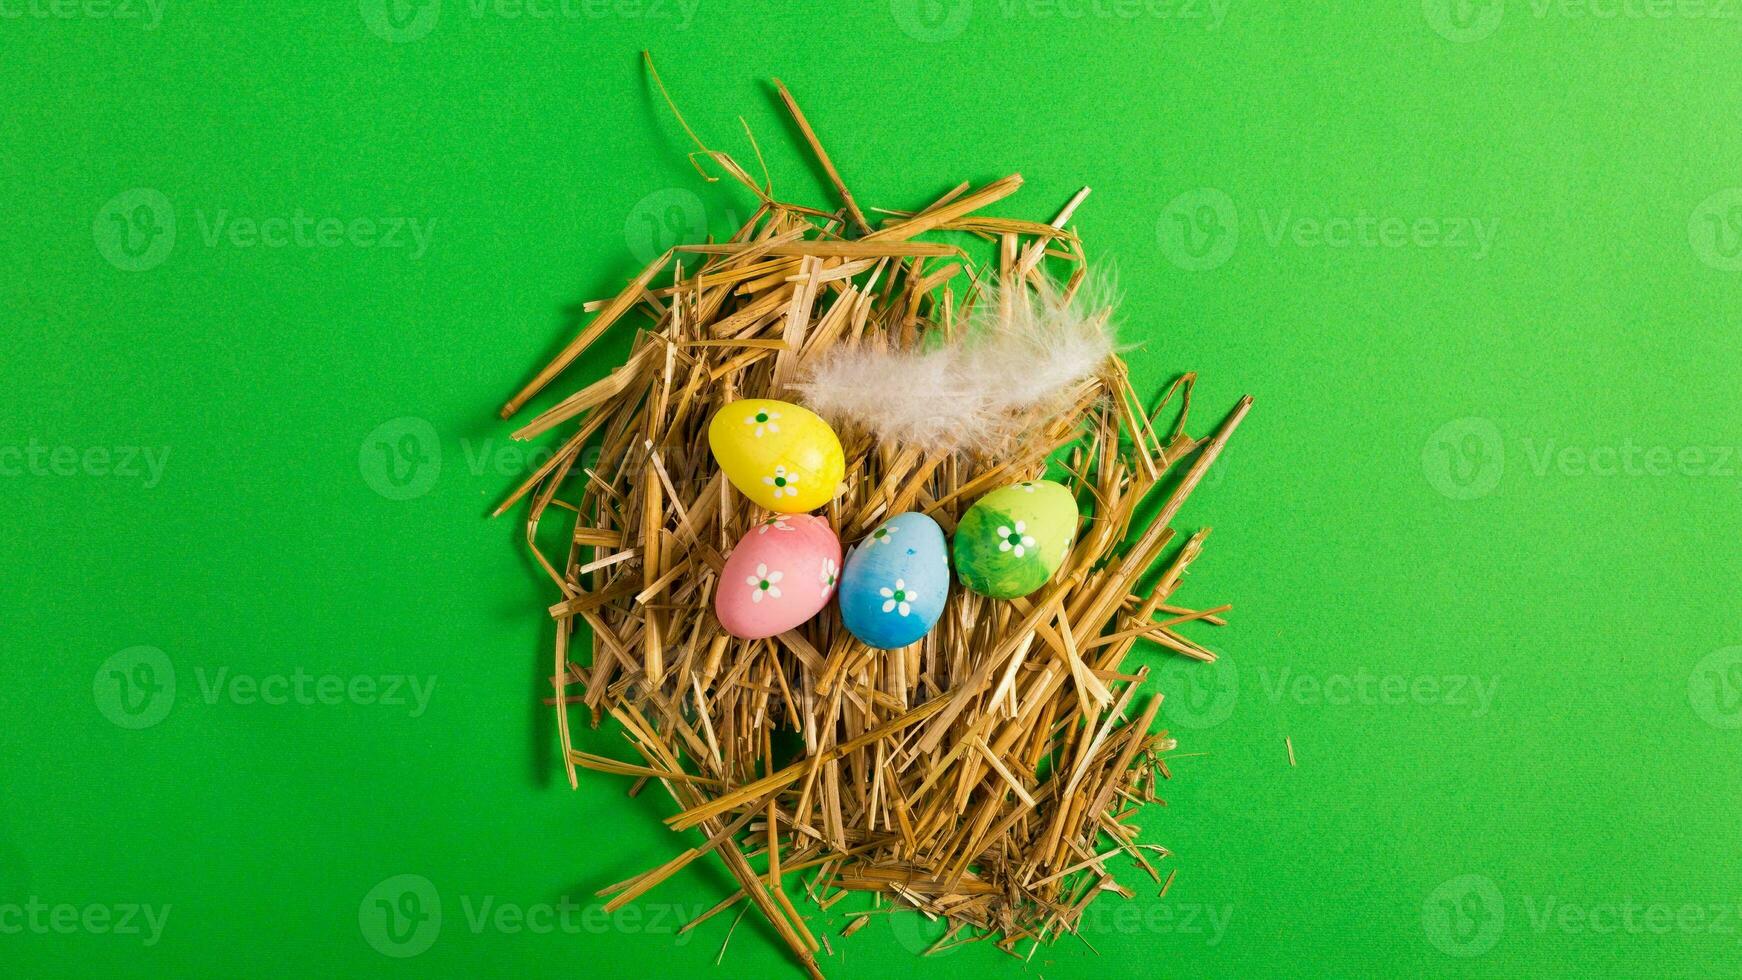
270	679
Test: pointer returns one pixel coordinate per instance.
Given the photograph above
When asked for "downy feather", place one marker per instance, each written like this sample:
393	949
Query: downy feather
1019	358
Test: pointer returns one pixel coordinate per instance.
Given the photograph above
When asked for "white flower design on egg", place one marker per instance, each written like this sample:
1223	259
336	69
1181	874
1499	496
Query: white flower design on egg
881	535
897	598
764	583
782	482
764	421
1012	539
827	576
774	524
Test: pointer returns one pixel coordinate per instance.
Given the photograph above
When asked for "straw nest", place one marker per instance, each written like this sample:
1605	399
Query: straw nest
987	775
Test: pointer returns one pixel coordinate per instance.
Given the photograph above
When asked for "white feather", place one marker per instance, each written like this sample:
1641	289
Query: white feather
1019	357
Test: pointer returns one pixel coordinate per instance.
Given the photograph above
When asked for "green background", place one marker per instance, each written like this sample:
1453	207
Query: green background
1480	529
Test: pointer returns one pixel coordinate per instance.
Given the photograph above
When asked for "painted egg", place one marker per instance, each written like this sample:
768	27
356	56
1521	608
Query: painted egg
1013	539
781	574
895	582
780	455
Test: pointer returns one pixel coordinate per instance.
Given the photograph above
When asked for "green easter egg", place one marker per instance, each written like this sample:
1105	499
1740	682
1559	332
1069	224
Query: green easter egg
1013	539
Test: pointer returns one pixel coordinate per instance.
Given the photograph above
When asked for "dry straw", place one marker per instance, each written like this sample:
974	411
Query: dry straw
987	776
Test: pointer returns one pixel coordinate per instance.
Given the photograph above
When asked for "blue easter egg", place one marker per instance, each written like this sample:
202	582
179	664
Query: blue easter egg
894	582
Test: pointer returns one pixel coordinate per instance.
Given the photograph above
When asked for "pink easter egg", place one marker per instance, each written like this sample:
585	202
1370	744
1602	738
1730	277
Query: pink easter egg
781	574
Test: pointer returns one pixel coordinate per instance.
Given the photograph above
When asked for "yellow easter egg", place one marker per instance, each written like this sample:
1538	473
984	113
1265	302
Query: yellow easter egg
780	455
